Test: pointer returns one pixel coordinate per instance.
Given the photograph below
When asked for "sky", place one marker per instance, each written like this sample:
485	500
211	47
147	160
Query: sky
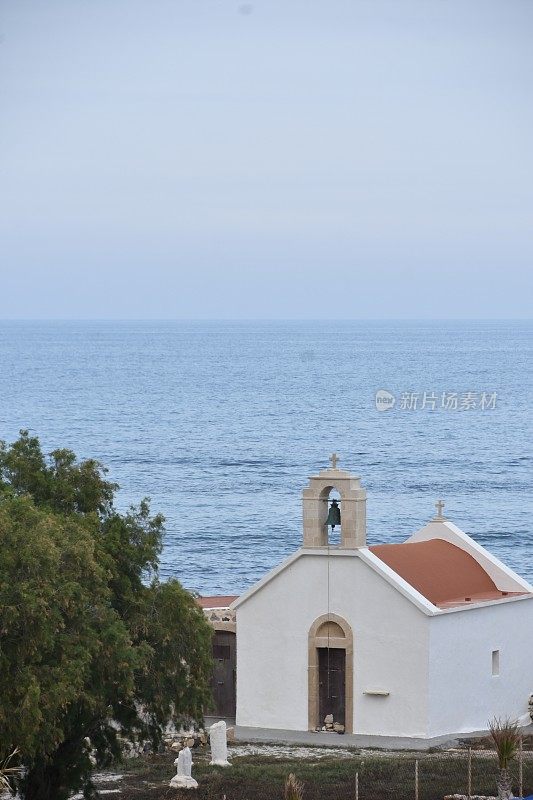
341	159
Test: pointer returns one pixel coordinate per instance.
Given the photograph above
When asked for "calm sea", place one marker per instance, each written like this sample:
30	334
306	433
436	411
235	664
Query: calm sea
220	423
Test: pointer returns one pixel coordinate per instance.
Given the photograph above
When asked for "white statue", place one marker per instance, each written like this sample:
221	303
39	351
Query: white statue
183	779
219	745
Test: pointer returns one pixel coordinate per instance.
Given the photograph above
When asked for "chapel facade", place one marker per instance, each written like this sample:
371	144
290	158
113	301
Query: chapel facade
430	637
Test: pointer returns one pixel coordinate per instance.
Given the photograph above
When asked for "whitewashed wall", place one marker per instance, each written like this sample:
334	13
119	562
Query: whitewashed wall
463	694
391	638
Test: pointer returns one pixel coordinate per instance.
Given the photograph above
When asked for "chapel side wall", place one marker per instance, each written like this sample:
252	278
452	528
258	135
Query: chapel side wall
390	638
272	654
463	693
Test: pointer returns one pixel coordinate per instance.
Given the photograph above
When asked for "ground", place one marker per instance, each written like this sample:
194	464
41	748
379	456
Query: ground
258	772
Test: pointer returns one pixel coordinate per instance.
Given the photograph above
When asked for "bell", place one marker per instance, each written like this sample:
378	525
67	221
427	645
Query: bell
334	515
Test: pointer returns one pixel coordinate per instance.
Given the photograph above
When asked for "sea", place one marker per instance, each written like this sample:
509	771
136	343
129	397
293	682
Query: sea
221	423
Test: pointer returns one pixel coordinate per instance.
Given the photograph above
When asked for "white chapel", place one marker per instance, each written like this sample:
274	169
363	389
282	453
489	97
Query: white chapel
426	638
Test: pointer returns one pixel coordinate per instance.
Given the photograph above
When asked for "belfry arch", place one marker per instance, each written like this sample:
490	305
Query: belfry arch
352	505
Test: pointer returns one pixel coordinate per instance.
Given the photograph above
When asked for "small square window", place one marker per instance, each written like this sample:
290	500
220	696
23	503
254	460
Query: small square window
495	662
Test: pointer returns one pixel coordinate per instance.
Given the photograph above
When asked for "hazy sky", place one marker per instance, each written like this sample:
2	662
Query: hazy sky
271	158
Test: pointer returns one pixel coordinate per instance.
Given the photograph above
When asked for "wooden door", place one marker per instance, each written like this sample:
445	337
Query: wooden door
331	684
224	655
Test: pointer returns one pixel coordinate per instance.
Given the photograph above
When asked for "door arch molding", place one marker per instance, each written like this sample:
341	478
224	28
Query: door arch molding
329	630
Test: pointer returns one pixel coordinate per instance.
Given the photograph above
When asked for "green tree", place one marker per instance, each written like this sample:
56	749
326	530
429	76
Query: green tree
93	647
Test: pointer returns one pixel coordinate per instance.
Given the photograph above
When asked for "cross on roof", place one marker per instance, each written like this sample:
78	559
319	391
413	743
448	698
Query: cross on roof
439	505
334	458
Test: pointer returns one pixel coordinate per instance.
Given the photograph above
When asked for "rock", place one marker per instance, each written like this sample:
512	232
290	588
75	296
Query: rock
338	728
230	734
219	744
328	719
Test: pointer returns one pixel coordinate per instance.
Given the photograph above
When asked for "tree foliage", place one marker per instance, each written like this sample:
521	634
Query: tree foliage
92	645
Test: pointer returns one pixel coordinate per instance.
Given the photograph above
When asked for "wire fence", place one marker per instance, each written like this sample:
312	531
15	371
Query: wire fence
467	774
435	776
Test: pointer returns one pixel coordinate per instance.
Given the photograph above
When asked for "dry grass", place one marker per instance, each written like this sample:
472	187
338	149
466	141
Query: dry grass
294	789
381	777
8	771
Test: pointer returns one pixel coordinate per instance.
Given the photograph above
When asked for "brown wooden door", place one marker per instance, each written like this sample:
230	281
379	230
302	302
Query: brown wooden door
224	655
332	684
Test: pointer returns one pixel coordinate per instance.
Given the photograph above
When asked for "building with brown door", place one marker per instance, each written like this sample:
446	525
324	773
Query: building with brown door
430	637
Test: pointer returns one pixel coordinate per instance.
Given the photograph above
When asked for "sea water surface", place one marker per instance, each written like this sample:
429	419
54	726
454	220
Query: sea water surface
221	423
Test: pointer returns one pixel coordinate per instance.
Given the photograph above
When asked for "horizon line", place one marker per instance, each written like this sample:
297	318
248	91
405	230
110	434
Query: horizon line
267	319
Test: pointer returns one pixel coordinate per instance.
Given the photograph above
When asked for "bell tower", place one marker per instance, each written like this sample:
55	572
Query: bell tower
352	506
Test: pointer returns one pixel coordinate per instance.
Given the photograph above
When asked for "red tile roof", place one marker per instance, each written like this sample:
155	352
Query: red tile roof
217	601
442	572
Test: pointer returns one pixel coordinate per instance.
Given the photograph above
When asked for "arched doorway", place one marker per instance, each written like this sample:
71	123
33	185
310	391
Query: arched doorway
330	672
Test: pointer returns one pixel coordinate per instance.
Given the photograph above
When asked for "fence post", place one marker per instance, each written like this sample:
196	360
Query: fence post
416	779
469	773
356	786
520	769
